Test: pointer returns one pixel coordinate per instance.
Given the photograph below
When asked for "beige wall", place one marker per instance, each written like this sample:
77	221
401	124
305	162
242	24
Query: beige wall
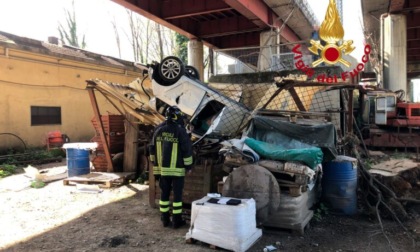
32	79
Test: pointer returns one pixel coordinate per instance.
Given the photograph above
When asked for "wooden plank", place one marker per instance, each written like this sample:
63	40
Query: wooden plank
279	221
103	179
130	145
207	176
297	100
152	186
393	167
94	103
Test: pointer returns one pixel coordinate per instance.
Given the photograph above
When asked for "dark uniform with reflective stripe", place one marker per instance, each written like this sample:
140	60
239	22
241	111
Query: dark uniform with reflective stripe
172	155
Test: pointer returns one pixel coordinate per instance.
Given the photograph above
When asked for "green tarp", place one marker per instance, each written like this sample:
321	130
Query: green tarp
311	156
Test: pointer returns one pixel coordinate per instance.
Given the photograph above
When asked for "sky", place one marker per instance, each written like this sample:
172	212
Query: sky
39	19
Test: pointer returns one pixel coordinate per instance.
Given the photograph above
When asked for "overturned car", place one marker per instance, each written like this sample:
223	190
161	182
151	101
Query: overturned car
210	113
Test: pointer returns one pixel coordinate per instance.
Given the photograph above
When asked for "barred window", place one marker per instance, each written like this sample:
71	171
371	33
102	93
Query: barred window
45	115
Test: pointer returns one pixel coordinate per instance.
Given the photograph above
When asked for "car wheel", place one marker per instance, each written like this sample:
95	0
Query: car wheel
170	70
192	72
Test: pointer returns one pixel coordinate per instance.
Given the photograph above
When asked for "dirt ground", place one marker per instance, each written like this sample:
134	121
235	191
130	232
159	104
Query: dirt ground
58	218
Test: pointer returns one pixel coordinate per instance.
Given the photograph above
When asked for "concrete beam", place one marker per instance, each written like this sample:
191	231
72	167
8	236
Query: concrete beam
262	15
412	4
151	9
237	40
413	44
186	8
195	56
413	67
413	21
413	34
396	6
226	26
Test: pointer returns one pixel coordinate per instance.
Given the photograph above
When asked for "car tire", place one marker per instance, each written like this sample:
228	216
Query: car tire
170	70
192	72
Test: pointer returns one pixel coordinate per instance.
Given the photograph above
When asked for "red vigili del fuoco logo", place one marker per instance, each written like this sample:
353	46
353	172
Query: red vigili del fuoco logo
328	50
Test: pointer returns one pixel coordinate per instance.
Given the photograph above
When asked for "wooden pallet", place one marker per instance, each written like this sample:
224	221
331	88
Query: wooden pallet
103	179
194	241
277	224
294	190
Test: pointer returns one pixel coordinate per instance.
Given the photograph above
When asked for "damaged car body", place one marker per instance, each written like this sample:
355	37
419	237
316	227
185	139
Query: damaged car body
209	112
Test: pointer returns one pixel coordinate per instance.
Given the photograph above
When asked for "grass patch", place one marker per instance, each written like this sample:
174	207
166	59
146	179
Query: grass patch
37	184
7	170
321	212
31	156
400	155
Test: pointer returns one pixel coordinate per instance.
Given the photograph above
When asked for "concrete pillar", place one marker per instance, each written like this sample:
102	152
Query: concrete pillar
195	56
394	52
267	39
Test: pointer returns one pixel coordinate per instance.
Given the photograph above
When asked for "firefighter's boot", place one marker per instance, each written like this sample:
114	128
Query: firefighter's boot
177	221
165	219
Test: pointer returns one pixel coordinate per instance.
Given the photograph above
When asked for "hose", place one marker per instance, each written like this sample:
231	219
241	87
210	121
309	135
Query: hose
24	145
142	87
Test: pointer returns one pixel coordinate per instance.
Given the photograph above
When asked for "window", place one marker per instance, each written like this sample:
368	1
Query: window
45	115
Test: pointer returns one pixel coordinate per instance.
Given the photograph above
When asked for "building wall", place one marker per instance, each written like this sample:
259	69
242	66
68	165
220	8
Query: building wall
30	78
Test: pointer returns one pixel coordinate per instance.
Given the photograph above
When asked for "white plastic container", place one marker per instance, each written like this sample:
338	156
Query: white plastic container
232	227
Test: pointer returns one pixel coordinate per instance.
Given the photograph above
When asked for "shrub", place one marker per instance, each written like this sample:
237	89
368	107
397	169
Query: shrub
6	170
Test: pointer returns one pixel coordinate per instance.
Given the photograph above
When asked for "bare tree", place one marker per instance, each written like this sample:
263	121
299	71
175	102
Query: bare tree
149	40
135	28
117	36
70	36
160	40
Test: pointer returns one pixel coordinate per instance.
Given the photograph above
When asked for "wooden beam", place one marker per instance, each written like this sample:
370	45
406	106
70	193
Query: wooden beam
110	167
296	98
152	186
130	144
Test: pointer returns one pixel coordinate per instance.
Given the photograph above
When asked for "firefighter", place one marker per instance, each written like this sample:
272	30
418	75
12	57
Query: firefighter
171	154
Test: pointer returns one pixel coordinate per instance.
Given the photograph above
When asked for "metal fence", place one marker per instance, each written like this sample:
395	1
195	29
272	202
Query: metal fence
298	100
303	101
259	59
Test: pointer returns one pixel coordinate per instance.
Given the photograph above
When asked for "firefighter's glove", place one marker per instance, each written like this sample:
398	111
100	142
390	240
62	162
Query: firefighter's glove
188	168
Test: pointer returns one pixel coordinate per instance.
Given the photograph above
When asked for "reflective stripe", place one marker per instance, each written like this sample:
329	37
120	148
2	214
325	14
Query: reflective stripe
156	170
159	153
164	206
177	204
188	161
164	209
174	156
176	211
178	172
164	203
177	207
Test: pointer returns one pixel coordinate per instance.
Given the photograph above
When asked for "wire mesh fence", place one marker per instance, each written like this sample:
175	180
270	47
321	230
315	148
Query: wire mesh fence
303	101
260	59
310	99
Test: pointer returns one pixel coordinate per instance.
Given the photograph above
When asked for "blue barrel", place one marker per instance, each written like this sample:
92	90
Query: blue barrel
77	162
339	185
